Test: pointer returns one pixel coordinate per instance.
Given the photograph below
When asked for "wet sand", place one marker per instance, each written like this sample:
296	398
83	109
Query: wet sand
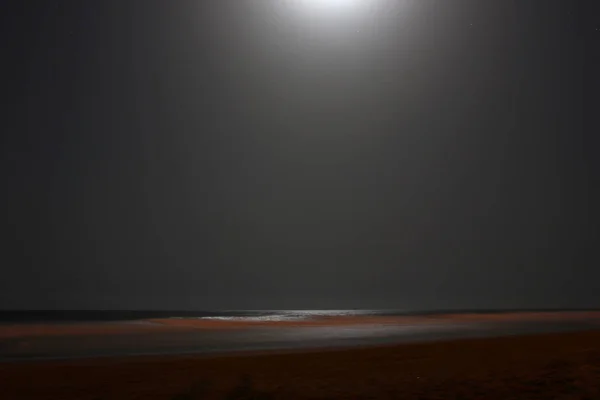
549	366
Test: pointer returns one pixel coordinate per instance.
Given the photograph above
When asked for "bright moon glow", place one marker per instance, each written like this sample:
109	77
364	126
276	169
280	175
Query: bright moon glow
332	6
325	4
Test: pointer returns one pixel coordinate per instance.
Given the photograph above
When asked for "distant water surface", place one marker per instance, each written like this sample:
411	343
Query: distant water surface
36	335
69	316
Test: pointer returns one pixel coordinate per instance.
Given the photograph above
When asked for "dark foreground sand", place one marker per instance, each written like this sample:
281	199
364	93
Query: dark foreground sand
549	366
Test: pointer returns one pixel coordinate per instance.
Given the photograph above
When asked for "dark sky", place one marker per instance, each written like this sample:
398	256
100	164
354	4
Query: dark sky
300	154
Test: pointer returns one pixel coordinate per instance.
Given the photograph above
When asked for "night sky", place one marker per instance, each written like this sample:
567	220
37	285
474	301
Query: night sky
274	154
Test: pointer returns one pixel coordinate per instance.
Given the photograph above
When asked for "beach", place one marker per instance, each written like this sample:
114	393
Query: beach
544	366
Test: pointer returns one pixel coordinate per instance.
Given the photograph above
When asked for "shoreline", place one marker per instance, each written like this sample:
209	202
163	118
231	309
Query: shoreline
16	330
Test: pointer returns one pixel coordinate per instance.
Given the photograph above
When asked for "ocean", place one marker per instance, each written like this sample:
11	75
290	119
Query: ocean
70	316
35	335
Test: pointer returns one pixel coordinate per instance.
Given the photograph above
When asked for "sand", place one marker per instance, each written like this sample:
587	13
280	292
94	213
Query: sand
549	366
